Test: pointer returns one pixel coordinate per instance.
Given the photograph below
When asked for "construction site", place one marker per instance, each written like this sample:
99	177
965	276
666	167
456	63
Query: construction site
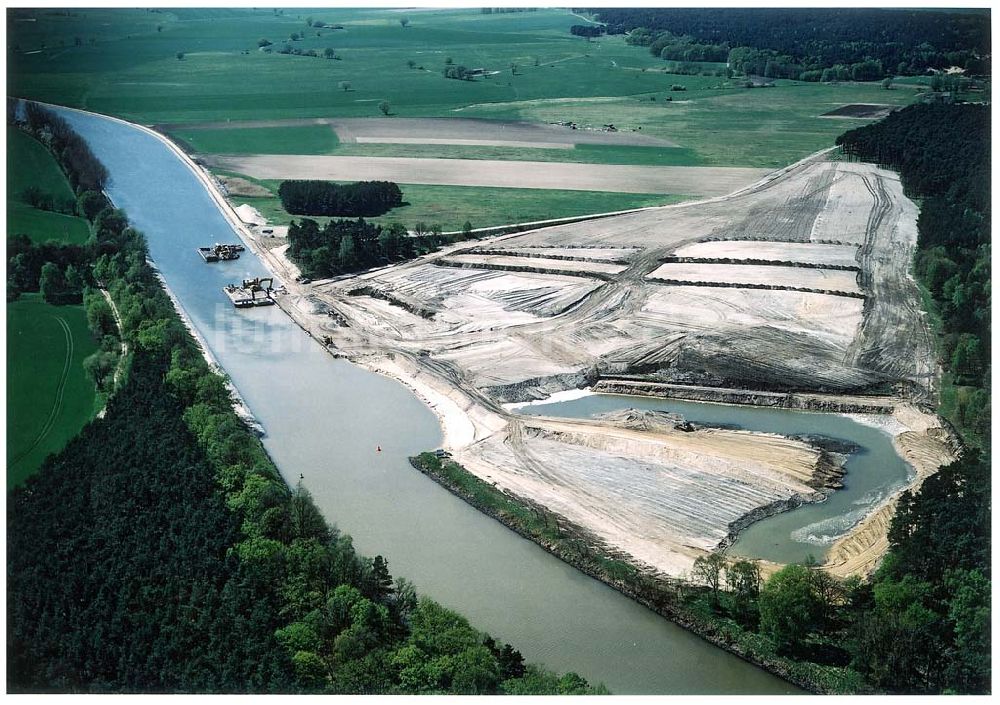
794	291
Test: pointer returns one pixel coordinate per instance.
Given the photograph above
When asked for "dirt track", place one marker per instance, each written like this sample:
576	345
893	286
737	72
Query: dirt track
686	180
448	131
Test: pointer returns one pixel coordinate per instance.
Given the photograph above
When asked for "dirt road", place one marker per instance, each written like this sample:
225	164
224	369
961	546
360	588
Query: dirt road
448	131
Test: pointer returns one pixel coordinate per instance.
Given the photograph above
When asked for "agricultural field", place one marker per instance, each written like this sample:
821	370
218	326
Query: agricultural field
49	396
294	139
201	77
616	178
131	70
28	163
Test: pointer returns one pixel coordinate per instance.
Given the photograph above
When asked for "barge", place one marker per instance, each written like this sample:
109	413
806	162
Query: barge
252	292
220	252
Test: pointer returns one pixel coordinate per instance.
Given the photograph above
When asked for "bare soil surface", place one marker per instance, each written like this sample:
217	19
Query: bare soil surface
869	111
540	263
469	339
236	186
794	252
687	180
795	278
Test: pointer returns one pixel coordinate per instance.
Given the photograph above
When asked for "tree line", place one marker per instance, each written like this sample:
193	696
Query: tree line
801	41
84	170
344	246
161	551
942	155
589	31
363	198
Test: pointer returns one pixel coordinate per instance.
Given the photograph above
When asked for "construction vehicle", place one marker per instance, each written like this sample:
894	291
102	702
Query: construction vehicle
253	292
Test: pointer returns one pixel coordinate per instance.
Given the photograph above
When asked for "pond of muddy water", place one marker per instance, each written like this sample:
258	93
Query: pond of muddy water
874	469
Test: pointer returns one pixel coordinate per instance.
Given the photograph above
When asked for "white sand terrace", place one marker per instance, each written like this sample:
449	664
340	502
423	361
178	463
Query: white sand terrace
556	265
800	252
608	253
473	339
765	275
833	319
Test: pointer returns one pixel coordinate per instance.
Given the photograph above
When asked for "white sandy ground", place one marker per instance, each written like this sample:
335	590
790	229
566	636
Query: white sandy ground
602	253
494	327
833	319
558	397
795	277
472	422
843	255
687	180
538	263
250	215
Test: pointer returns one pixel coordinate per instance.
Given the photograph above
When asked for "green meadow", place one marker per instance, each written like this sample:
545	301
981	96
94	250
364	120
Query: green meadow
299	139
30	164
131	70
49	396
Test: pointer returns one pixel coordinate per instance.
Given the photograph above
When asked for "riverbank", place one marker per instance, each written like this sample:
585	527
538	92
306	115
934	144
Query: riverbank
663	594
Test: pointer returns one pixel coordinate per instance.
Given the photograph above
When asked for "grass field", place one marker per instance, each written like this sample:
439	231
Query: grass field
309	139
132	71
451	206
49	397
29	163
42	226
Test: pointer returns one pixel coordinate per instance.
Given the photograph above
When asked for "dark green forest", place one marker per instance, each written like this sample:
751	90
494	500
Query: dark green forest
865	44
362	199
161	551
343	246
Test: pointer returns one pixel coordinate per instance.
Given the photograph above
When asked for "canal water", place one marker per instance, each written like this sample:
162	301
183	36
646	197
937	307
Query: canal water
324	420
874	469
